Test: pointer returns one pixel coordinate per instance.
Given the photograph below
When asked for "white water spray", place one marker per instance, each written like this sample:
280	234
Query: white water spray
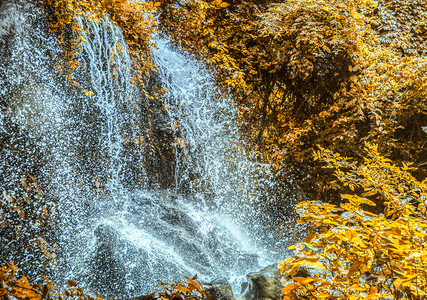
113	236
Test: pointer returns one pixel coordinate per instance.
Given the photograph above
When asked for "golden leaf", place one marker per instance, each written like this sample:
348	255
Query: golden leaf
304	280
369	193
354	267
184	289
314	265
289	287
194	284
310	235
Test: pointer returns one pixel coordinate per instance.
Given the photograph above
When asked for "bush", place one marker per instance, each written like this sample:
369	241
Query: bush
21	289
352	253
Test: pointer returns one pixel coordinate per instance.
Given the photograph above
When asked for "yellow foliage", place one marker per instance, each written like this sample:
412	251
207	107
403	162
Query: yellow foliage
357	254
19	288
22	289
26	209
307	72
192	290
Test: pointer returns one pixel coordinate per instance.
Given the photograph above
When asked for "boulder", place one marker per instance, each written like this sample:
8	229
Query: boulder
221	290
263	285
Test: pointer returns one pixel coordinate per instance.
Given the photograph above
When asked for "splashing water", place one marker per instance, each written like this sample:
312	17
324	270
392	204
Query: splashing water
118	234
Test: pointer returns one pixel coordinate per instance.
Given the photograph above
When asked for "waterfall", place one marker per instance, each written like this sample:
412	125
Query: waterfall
127	213
209	154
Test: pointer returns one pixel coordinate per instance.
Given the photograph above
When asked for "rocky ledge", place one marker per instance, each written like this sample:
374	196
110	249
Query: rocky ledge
262	285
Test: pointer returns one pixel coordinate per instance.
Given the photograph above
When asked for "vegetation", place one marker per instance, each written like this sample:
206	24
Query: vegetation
135	18
352	253
344	75
308	72
22	289
14	288
300	72
27	220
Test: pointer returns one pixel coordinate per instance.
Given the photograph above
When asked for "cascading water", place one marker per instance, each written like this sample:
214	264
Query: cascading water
132	231
209	155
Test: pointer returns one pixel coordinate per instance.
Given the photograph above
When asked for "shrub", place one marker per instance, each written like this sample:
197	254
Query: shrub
352	253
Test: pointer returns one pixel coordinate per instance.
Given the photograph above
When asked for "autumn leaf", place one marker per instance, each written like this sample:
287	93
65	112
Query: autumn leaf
194	285
289	287
184	289
355	265
304	280
71	283
88	93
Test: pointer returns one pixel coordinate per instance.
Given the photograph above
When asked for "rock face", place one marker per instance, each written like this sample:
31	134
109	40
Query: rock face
263	285
172	239
21	152
107	267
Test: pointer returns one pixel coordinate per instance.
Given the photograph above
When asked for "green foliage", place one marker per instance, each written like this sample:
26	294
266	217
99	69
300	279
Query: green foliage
354	254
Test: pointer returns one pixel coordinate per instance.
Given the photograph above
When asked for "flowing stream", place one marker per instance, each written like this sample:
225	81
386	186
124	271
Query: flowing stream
142	191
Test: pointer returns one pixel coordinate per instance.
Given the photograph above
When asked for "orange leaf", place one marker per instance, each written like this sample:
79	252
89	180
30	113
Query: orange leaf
194	285
310	235
184	289
71	283
354	267
304	280
289	287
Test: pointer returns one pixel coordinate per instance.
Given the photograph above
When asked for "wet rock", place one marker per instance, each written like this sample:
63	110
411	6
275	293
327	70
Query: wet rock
263	285
248	260
107	269
221	290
